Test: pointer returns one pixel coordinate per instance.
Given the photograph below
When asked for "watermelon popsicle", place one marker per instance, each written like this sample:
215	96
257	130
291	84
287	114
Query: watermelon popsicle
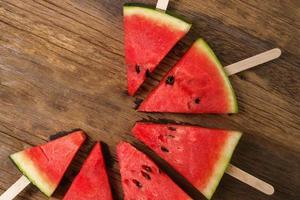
199	84
45	165
91	183
201	155
149	36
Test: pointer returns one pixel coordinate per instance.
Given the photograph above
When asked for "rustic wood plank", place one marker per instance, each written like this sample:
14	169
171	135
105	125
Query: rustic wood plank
62	67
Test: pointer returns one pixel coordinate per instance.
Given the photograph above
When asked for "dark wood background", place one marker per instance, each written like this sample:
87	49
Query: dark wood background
62	67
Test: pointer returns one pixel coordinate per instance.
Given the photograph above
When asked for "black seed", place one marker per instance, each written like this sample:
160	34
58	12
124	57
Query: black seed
172	128
159	171
197	100
146	168
137	69
137	183
164	149
137	103
170	80
145	175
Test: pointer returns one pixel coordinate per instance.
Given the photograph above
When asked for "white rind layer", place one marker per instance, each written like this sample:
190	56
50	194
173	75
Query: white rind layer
32	172
222	163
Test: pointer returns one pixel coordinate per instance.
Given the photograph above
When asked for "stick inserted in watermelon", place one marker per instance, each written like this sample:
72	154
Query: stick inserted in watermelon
92	182
162	4
142	179
45	165
199	84
149	36
201	155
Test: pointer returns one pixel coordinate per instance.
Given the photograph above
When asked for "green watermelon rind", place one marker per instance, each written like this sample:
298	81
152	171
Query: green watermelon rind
222	163
16	158
204	46
170	19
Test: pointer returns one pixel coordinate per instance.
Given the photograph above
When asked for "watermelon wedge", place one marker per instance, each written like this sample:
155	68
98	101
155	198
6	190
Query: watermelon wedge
92	182
149	36
142	179
201	155
197	84
46	164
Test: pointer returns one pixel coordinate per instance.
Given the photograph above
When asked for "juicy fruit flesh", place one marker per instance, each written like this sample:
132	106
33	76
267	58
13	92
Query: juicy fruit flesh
201	155
92	182
198	85
45	165
142	179
149	36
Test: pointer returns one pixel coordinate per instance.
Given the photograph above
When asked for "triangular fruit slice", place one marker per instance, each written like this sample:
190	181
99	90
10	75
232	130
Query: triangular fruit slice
149	36
142	179
46	164
92	182
201	155
197	84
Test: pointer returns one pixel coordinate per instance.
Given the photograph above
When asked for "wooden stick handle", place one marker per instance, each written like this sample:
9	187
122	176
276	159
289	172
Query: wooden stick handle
253	61
162	4
250	180
15	189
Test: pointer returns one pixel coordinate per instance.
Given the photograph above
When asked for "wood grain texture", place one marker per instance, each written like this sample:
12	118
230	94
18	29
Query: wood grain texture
62	67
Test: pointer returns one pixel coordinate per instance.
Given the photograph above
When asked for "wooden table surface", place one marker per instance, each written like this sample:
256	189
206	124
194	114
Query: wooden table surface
62	67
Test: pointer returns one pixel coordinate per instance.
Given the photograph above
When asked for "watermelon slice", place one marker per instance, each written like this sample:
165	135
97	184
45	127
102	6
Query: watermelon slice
92	182
142	179
197	84
149	36
201	155
46	164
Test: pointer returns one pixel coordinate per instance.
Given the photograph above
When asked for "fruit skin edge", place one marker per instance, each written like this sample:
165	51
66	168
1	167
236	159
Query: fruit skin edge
230	145
28	177
152	8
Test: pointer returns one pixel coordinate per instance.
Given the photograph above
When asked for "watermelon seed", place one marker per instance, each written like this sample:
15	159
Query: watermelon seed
172	128
147	168
197	100
164	149
146	176
171	136
170	80
137	183
137	69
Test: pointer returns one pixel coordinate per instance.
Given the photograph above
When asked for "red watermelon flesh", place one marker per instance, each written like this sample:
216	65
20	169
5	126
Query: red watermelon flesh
149	36
92	182
46	164
142	179
197	84
201	155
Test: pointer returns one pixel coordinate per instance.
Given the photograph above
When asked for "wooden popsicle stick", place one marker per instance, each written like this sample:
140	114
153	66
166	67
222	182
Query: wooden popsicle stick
15	189
250	180
162	4
253	61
